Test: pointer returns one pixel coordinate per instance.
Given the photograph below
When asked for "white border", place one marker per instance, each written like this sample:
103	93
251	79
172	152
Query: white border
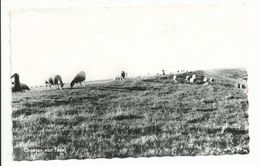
253	52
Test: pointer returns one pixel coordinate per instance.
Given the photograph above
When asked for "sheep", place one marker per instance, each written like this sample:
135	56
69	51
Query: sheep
212	79
58	81
54	80
49	82
163	72
17	86
238	85
187	78
205	79
79	78
123	74
241	86
174	78
118	78
193	78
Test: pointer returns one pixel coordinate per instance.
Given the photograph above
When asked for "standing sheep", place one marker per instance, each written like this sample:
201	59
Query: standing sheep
205	79
187	78
241	86
123	74
163	72
174	78
79	78
193	79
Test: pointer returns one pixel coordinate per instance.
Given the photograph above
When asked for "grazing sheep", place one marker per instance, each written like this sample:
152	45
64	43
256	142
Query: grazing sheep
54	80
58	81
79	78
49	82
17	85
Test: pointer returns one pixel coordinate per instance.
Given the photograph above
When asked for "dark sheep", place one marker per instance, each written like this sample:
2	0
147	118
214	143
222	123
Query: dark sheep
123	74
24	87
17	85
58	81
163	72
79	78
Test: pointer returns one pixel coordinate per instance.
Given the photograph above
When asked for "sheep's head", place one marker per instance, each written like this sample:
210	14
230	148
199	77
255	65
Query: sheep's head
71	84
15	76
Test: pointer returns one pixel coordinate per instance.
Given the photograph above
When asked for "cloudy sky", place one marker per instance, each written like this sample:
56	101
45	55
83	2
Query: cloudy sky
104	41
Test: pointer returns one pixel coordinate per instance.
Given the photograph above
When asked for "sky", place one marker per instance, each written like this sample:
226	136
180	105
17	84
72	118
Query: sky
140	40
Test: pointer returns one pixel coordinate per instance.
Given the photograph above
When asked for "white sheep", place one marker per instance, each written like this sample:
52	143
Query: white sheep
193	78
205	79
187	78
174	78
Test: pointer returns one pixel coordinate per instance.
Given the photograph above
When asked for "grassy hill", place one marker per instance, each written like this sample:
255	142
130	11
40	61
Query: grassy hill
133	118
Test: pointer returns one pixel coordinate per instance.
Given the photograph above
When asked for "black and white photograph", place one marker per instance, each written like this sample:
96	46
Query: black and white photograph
129	82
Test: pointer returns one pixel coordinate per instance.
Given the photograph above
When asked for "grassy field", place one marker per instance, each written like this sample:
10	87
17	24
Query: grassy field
133	118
